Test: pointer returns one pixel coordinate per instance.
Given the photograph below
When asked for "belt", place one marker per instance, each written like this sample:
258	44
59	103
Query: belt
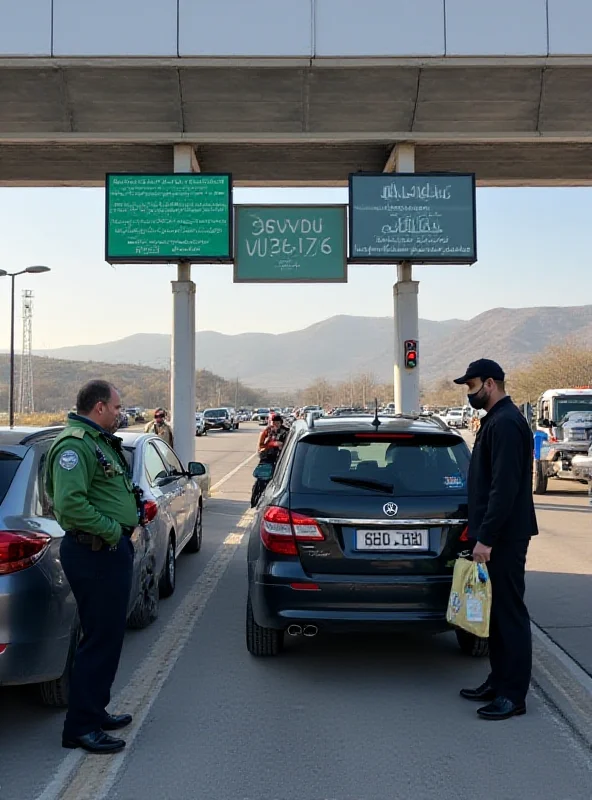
93	540
89	539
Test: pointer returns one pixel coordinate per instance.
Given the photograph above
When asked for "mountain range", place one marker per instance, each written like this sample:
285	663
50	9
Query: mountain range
341	346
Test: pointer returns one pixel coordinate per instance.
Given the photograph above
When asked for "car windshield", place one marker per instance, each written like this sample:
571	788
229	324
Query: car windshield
563	405
215	412
9	463
419	465
263	411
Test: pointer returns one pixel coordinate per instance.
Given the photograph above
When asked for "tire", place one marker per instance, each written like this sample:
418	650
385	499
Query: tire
55	693
539	481
168	579
472	645
262	642
194	544
145	611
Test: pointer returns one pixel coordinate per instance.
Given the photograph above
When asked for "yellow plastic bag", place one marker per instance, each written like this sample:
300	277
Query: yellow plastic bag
469	605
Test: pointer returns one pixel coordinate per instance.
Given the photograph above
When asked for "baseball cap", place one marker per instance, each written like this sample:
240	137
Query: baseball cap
276	418
482	368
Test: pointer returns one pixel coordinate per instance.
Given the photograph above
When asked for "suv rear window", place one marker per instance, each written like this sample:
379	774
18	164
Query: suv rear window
9	463
216	412
412	465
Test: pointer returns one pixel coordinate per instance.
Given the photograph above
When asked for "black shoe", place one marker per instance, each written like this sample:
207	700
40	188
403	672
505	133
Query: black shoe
483	693
502	708
113	722
95	742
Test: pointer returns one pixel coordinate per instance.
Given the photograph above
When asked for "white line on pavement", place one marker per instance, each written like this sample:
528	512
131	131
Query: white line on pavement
244	463
92	779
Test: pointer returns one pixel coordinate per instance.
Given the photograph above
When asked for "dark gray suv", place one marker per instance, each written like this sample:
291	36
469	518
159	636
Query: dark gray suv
358	530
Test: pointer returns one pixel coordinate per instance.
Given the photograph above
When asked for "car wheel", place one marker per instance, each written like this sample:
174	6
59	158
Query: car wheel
539	481
168	579
194	544
472	645
262	641
145	610
55	693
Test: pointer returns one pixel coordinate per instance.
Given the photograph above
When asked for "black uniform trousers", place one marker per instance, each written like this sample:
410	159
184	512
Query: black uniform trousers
510	644
101	582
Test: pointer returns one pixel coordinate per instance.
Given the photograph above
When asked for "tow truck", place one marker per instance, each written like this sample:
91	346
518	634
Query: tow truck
562	425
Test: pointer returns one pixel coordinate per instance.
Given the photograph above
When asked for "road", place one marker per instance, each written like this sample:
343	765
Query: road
347	718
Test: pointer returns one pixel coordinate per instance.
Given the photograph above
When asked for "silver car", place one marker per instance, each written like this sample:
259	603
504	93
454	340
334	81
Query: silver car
39	625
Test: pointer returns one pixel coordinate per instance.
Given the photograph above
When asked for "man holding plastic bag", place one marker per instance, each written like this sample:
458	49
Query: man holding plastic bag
501	522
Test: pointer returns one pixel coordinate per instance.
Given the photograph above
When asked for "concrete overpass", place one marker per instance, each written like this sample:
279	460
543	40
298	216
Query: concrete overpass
296	91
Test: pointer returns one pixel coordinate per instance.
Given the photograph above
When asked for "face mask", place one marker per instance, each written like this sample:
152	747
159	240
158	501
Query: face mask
477	400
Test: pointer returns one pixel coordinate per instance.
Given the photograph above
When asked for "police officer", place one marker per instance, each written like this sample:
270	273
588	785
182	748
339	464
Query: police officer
93	499
501	522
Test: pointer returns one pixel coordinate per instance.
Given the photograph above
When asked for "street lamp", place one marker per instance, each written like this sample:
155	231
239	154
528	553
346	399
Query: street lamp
34	270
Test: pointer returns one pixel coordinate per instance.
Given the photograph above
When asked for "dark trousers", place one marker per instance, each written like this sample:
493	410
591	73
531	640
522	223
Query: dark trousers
510	644
101	582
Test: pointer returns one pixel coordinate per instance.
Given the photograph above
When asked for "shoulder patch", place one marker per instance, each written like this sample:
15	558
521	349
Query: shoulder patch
68	460
78	433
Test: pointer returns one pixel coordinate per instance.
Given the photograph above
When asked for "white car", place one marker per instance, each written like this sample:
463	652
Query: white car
455	418
200	424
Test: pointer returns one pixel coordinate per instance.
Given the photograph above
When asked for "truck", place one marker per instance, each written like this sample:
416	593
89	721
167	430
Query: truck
562	426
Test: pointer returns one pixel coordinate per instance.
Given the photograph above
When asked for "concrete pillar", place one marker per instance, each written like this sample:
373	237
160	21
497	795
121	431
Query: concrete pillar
183	342
406	312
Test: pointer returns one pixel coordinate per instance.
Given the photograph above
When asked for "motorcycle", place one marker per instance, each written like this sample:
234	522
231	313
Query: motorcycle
263	472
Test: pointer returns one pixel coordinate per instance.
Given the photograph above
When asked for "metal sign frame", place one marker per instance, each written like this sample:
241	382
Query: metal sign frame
377	260
172	259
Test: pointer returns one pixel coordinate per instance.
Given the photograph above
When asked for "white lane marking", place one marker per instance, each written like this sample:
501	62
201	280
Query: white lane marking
545	507
227	477
86	777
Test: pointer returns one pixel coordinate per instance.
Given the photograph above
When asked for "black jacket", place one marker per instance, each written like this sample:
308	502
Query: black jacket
501	507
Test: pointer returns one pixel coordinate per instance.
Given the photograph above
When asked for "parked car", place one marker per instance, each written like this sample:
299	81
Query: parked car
358	530
201	428
220	418
39	625
261	416
137	414
455	418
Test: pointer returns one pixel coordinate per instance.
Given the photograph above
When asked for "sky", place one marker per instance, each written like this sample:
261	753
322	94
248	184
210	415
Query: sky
533	249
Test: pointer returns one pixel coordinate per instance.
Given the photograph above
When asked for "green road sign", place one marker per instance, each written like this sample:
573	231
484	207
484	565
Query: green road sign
162	218
422	218
290	244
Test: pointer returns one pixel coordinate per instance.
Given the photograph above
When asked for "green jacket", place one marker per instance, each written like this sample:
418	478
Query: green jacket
88	481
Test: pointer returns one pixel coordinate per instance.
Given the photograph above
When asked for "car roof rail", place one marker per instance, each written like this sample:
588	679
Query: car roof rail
310	420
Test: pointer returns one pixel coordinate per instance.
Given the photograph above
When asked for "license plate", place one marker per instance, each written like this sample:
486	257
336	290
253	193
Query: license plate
389	541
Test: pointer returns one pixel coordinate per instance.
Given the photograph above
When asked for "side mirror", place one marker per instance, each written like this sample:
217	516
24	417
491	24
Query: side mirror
196	469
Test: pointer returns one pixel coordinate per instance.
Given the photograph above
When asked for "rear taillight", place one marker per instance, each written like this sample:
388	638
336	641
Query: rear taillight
280	529
21	549
150	510
464	537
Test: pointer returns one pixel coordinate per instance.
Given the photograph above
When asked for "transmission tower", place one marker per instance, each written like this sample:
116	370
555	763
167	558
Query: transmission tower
26	404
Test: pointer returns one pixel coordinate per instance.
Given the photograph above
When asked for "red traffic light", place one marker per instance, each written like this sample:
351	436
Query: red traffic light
411	353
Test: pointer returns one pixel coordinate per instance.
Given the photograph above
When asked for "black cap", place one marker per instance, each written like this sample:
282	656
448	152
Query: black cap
277	418
483	368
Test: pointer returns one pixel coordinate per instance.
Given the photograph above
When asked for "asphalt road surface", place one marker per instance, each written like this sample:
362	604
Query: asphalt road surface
340	718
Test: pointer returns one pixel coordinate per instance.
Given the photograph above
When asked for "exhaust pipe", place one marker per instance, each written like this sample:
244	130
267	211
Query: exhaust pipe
310	630
295	630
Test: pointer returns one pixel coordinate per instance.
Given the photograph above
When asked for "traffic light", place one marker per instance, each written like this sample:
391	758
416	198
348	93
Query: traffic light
410	353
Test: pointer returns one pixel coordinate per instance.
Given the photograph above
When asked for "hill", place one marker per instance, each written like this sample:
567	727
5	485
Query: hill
344	345
57	382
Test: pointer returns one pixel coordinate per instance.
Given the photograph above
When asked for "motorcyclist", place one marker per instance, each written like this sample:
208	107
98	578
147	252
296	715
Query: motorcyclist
271	442
272	439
